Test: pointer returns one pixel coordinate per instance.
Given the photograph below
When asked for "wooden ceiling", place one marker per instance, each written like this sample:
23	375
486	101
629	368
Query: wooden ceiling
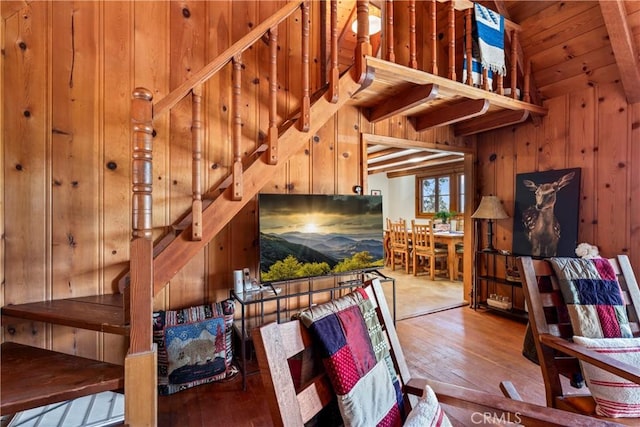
572	45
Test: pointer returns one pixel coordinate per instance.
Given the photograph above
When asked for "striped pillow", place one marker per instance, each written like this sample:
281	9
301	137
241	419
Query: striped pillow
427	412
615	397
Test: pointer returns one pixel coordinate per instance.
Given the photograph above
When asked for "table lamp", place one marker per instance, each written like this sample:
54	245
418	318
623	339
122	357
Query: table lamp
490	208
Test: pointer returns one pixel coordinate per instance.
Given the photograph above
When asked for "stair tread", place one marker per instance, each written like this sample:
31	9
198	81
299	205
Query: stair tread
103	313
33	377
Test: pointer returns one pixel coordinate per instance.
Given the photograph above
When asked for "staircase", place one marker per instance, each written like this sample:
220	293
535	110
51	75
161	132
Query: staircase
33	377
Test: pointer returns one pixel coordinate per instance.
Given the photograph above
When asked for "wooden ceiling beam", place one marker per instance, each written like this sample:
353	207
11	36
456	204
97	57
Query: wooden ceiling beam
624	48
407	159
433	147
491	121
406	100
406	168
385	152
451	114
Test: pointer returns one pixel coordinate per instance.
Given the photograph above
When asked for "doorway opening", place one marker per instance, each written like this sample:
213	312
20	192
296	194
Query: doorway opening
393	168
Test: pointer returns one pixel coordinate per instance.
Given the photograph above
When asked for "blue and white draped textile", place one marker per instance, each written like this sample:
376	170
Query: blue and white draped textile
487	49
490	33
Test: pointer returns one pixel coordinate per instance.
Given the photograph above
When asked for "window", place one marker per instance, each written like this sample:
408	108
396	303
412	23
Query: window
443	192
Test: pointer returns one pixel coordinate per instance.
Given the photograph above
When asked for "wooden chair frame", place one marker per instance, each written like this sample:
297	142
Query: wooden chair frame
558	356
276	343
423	246
400	244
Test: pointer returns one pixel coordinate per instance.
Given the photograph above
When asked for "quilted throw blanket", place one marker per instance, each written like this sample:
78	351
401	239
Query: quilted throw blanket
356	358
593	296
487	45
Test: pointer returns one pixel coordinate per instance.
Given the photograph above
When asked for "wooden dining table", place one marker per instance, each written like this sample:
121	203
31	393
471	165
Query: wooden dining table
444	237
450	239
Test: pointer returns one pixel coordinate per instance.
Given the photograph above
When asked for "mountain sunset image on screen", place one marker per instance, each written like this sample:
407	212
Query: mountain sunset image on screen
314	235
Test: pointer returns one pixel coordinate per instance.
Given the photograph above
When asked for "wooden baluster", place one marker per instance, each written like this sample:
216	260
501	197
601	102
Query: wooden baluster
469	44
485	79
196	167
500	84
305	115
452	41
140	291
434	38
363	48
272	144
335	71
514	64
388	33
526	96
413	62
237	128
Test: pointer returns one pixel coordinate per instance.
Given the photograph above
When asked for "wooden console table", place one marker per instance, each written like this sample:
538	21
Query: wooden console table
273	301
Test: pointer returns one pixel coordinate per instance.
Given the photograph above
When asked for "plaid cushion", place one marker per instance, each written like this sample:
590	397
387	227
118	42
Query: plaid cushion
194	345
614	396
592	293
357	359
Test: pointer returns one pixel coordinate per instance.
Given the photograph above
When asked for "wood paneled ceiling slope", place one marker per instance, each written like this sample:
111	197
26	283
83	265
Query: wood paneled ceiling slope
566	45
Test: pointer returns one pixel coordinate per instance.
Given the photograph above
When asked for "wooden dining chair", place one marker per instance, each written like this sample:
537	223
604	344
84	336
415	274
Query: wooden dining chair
425	250
552	332
286	351
400	244
459	261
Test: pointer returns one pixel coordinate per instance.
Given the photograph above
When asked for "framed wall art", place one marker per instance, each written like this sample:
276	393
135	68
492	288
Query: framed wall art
545	222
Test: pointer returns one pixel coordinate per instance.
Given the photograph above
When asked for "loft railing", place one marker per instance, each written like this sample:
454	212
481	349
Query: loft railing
431	16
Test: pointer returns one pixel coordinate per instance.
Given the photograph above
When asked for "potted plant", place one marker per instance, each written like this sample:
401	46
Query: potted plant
445	215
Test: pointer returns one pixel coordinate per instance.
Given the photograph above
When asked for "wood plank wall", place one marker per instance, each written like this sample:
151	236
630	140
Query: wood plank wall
593	129
66	149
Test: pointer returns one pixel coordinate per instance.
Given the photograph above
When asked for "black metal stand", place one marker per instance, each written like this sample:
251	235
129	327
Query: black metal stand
489	247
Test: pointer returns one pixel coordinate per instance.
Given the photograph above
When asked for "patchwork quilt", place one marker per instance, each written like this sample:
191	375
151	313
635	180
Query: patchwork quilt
593	296
356	356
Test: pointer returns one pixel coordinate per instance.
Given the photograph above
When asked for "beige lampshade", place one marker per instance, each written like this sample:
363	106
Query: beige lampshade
490	208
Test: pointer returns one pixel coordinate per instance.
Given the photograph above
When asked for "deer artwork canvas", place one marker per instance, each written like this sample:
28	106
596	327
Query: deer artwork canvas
546	213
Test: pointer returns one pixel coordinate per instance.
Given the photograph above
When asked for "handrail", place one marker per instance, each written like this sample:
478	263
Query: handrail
169	101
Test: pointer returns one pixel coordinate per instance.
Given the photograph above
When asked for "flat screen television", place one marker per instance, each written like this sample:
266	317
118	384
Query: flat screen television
306	235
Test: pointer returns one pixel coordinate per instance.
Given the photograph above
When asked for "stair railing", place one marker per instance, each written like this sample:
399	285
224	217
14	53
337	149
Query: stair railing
141	358
140	291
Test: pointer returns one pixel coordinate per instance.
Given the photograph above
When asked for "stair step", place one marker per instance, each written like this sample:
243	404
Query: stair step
33	377
103	313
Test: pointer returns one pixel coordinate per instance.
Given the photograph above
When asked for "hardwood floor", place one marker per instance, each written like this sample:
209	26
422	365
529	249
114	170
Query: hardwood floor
418	295
466	347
